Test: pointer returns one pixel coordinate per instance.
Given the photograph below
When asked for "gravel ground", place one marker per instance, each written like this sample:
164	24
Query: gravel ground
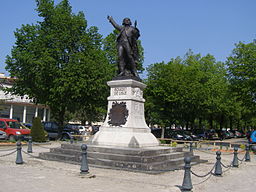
37	175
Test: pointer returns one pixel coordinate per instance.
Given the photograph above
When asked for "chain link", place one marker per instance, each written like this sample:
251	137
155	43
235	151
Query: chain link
225	166
203	180
8	153
241	159
8	149
210	172
30	154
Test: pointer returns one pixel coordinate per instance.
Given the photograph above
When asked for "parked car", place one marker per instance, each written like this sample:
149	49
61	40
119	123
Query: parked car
200	133
3	135
95	129
238	134
223	134
192	135
252	138
52	128
178	135
156	132
13	129
211	134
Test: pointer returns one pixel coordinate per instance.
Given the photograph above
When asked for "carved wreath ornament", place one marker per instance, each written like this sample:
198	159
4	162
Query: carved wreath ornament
118	114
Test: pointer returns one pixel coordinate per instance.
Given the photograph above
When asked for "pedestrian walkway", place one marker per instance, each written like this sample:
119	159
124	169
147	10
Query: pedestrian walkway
37	175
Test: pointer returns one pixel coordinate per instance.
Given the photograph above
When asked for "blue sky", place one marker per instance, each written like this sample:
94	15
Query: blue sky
169	28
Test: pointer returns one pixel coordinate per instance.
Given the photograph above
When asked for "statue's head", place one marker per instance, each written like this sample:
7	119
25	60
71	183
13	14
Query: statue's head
127	21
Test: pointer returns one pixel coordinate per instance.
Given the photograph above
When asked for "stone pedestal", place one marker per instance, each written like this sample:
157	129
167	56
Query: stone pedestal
125	124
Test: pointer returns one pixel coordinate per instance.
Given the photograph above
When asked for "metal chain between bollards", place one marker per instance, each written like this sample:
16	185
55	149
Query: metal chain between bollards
8	149
8	153
204	180
210	172
226	166
29	154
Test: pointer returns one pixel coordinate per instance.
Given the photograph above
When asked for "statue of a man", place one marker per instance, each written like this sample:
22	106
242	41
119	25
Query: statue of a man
127	47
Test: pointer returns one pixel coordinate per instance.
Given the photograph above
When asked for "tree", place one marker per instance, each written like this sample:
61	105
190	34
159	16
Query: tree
37	130
59	61
242	76
185	90
241	67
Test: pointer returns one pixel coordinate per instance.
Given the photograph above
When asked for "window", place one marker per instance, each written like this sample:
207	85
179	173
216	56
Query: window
2	124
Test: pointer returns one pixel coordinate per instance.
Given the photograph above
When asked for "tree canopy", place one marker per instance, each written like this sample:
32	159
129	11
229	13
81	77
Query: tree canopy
185	90
59	61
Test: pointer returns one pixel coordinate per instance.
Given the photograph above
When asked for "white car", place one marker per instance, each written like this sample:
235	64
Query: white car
82	129
3	135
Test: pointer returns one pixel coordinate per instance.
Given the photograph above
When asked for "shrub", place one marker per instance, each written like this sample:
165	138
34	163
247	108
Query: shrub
242	146
174	144
37	130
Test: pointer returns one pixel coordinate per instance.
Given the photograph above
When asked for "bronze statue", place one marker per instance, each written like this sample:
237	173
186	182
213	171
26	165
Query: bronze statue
127	48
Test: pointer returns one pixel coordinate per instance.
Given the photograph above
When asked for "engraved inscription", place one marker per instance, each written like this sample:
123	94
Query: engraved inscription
120	91
137	92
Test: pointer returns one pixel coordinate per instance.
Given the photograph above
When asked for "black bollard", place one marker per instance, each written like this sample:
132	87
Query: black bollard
29	145
235	159
19	159
71	140
191	147
254	149
187	184
218	168
247	153
84	164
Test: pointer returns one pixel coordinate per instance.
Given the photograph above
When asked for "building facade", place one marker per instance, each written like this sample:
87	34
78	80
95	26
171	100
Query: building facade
21	108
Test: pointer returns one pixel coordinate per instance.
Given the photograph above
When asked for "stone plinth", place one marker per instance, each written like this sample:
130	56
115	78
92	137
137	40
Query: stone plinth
125	124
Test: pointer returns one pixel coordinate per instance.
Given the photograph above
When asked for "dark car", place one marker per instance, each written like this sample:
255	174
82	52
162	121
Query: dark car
223	134
95	129
238	134
52	128
157	132
200	133
172	134
211	134
178	135
192	135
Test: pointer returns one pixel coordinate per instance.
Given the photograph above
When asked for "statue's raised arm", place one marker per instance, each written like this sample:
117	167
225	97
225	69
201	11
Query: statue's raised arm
112	21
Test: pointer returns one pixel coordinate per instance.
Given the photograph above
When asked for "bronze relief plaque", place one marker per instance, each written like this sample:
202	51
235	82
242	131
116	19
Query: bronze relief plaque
118	114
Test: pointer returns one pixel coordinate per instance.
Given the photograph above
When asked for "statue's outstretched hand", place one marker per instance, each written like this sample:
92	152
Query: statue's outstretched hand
109	17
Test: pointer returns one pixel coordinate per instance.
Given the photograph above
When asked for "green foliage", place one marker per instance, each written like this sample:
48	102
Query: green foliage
174	144
59	62
241	73
184	90
37	130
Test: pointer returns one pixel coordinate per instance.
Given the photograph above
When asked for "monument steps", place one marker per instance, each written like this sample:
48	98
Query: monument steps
151	160
122	157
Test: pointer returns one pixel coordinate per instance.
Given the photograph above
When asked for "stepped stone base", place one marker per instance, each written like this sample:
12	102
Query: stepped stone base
148	160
